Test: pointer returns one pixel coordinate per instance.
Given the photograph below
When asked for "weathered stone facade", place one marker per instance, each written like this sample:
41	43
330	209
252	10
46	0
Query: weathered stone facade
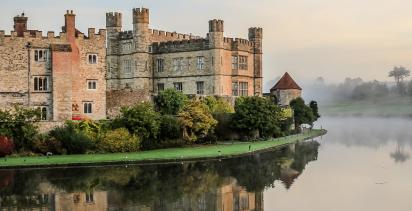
60	74
146	60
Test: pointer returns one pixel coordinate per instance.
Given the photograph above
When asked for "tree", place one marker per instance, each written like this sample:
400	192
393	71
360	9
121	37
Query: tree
302	113
197	122
315	110
141	120
217	105
399	74
19	125
256	114
170	101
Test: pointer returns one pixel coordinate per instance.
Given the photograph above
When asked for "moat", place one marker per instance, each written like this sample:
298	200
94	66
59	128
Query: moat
361	164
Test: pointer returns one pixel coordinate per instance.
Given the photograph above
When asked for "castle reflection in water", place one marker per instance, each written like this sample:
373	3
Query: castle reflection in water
226	185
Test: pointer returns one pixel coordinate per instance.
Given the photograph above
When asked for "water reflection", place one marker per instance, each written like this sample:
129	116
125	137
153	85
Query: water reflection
233	184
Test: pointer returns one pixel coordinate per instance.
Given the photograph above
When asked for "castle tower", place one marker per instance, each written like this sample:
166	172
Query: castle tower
114	27
256	36
20	25
113	22
216	29
141	38
215	36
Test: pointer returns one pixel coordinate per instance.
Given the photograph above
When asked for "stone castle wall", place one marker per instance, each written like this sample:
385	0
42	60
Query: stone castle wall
143	47
66	68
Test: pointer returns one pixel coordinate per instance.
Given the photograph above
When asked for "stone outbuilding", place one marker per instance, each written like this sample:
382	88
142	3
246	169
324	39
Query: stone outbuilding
285	90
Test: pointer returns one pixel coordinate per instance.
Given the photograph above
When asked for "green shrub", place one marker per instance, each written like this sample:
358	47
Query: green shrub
170	101
19	125
170	127
74	141
256	114
217	105
44	144
197	121
140	119
119	140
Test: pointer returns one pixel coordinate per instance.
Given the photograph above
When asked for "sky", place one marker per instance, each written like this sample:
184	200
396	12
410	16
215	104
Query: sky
307	38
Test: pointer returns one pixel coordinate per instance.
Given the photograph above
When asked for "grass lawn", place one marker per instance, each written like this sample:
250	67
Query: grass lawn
188	153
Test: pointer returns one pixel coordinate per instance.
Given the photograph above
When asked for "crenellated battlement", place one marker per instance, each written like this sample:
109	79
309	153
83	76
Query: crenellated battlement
163	36
114	19
180	46
126	35
38	35
255	32
216	25
141	15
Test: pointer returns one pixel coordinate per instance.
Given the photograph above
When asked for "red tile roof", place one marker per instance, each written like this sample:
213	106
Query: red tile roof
286	82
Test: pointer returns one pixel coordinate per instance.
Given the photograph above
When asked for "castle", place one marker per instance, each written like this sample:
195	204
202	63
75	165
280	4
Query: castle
63	76
74	76
144	61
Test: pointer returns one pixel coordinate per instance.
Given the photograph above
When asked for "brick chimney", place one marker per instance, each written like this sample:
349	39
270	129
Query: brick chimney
70	25
20	25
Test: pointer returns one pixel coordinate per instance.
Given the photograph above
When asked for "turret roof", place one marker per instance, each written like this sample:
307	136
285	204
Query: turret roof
286	82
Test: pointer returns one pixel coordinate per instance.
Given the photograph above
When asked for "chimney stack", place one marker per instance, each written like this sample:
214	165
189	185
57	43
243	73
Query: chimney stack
20	25
70	25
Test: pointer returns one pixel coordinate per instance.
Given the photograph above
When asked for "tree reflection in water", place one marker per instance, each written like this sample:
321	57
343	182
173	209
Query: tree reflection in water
232	184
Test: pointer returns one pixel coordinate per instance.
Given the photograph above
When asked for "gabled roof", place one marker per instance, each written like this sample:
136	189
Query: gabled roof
286	82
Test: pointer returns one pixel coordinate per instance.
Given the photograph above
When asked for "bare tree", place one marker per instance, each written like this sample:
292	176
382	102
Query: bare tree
399	74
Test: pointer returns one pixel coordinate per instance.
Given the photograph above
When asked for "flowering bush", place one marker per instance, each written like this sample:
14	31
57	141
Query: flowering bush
6	146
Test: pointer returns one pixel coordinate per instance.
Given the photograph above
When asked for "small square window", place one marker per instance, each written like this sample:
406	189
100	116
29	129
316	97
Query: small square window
178	86
200	87
91	84
88	107
92	58
41	83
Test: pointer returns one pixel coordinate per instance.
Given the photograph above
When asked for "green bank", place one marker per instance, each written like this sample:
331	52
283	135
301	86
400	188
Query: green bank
223	150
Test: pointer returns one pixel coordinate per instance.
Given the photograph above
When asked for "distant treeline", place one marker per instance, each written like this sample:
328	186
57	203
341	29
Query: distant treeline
358	89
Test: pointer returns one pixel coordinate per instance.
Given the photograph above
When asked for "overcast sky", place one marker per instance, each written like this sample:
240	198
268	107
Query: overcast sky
308	38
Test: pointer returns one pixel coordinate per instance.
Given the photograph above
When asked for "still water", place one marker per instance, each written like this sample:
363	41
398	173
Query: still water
361	164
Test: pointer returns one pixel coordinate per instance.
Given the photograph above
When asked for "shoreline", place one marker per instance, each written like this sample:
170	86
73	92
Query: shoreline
160	156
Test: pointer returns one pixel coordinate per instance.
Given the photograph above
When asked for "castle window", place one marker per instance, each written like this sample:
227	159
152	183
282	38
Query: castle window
178	64
200	63
160	87
160	65
41	83
40	55
127	66
243	62
235	88
43	112
88	107
89	197
92	58
150	49
243	89
200	87
91	84
178	86
235	63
